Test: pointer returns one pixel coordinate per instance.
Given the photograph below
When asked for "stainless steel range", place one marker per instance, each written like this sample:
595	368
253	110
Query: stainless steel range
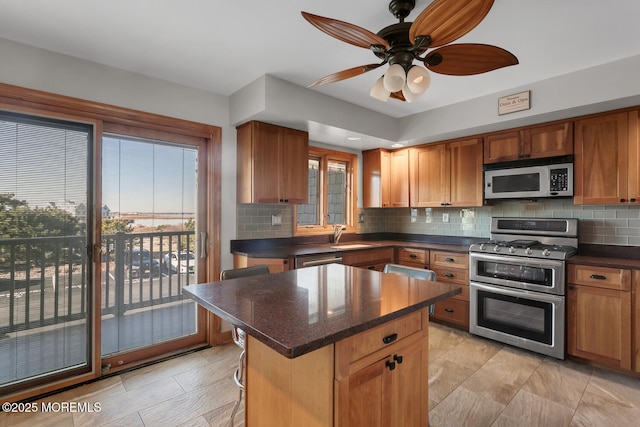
517	283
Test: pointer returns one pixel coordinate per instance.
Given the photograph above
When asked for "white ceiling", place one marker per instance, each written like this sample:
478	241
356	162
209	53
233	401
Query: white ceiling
221	46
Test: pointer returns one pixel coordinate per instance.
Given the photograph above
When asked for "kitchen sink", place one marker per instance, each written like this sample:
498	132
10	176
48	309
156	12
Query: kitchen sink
352	246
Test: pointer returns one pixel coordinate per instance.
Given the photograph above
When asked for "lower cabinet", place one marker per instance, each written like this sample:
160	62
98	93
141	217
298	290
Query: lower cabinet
372	259
276	265
451	267
377	378
413	257
599	326
389	385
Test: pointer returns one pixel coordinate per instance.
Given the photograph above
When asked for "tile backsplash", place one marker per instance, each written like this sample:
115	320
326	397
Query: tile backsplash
610	225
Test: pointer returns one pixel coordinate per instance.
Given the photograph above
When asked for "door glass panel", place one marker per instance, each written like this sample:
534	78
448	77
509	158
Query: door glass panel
44	288
337	192
148	238
309	213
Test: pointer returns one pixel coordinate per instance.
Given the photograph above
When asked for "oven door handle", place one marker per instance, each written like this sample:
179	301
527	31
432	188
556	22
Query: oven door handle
517	293
516	260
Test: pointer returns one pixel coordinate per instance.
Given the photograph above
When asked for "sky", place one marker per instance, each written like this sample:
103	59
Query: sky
45	164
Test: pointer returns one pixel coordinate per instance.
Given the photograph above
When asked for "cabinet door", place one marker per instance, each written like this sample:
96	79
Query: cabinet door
503	147
376	181
635	318
399	182
600	169
466	173
266	158
409	387
429	175
634	157
368	397
549	141
599	325
294	167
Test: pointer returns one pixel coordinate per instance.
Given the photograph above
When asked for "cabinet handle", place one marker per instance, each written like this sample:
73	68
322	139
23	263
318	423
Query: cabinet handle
372	267
397	358
632	200
598	277
390	338
448	259
448	310
391	365
623	200
449	275
413	256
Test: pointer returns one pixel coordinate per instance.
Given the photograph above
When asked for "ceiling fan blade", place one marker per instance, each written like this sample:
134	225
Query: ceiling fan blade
344	74
465	59
346	32
447	20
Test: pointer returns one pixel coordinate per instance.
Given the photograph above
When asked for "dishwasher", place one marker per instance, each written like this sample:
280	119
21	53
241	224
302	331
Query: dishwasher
318	259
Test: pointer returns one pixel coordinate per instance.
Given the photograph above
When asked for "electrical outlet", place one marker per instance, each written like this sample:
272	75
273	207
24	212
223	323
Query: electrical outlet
276	219
445	217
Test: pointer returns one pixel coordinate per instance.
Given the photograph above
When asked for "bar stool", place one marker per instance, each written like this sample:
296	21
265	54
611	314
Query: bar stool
237	334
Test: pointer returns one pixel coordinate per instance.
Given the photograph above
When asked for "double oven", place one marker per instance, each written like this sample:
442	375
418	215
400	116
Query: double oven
518	283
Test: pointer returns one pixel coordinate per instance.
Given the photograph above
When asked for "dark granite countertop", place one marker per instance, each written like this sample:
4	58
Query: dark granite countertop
298	311
300	246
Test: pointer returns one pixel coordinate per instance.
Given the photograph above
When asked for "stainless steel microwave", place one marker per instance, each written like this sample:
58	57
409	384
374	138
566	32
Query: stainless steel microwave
531	182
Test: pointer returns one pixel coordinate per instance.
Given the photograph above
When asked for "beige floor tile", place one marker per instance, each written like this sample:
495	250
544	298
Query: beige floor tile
444	377
473	353
599	407
464	408
443	339
196	403
530	410
562	382
503	375
220	416
118	406
207	374
152	373
131	420
622	389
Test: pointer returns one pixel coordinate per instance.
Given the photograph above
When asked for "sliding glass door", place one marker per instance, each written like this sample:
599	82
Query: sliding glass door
45	239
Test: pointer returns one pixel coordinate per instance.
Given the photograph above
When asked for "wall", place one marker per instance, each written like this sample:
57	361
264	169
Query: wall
611	225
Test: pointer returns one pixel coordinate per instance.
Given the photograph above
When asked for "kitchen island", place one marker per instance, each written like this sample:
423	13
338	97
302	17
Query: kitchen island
331	345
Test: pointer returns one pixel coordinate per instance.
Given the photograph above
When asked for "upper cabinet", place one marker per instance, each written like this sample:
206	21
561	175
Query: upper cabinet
272	164
607	159
448	174
386	178
532	142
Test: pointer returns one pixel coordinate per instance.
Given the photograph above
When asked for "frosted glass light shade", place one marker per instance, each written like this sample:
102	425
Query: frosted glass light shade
378	90
418	80
409	95
394	78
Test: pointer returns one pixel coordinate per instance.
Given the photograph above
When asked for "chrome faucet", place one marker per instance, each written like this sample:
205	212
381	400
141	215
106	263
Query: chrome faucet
337	232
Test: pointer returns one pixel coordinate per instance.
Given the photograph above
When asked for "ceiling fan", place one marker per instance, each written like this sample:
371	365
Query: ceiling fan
398	45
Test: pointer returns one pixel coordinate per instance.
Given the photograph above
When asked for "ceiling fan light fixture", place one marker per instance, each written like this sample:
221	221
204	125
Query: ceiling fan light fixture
418	79
379	92
394	78
409	95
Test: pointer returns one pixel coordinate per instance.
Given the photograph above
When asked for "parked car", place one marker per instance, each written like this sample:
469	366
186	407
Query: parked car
140	264
183	262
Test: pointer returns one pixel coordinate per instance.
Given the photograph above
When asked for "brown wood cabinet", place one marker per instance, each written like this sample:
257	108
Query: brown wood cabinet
451	267
372	259
549	140
272	164
448	174
379	384
386	178
607	159
635	318
599	314
413	257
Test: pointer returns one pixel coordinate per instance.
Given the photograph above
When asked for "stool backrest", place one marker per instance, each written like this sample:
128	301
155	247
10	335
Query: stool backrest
244	272
414	272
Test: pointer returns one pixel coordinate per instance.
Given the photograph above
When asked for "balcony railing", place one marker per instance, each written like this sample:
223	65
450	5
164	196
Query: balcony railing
44	281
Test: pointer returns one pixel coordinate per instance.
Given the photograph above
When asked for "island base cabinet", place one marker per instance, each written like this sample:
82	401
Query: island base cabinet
282	392
387	388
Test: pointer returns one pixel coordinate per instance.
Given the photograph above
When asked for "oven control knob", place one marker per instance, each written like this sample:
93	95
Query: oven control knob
546	252
512	250
496	248
528	251
483	246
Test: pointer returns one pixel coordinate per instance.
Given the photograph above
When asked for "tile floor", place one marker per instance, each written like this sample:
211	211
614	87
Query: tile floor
473	382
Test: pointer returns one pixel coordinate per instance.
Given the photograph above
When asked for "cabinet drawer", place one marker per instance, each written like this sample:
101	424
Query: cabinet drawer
369	256
600	277
413	255
453	311
374	339
448	260
452	275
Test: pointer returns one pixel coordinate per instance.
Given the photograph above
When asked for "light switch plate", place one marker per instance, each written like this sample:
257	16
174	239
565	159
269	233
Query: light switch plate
445	217
276	219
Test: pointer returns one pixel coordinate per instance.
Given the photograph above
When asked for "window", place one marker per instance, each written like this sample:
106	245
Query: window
332	195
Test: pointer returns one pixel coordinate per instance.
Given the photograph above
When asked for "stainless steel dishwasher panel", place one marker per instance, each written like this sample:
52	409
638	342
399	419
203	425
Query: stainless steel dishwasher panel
318	259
